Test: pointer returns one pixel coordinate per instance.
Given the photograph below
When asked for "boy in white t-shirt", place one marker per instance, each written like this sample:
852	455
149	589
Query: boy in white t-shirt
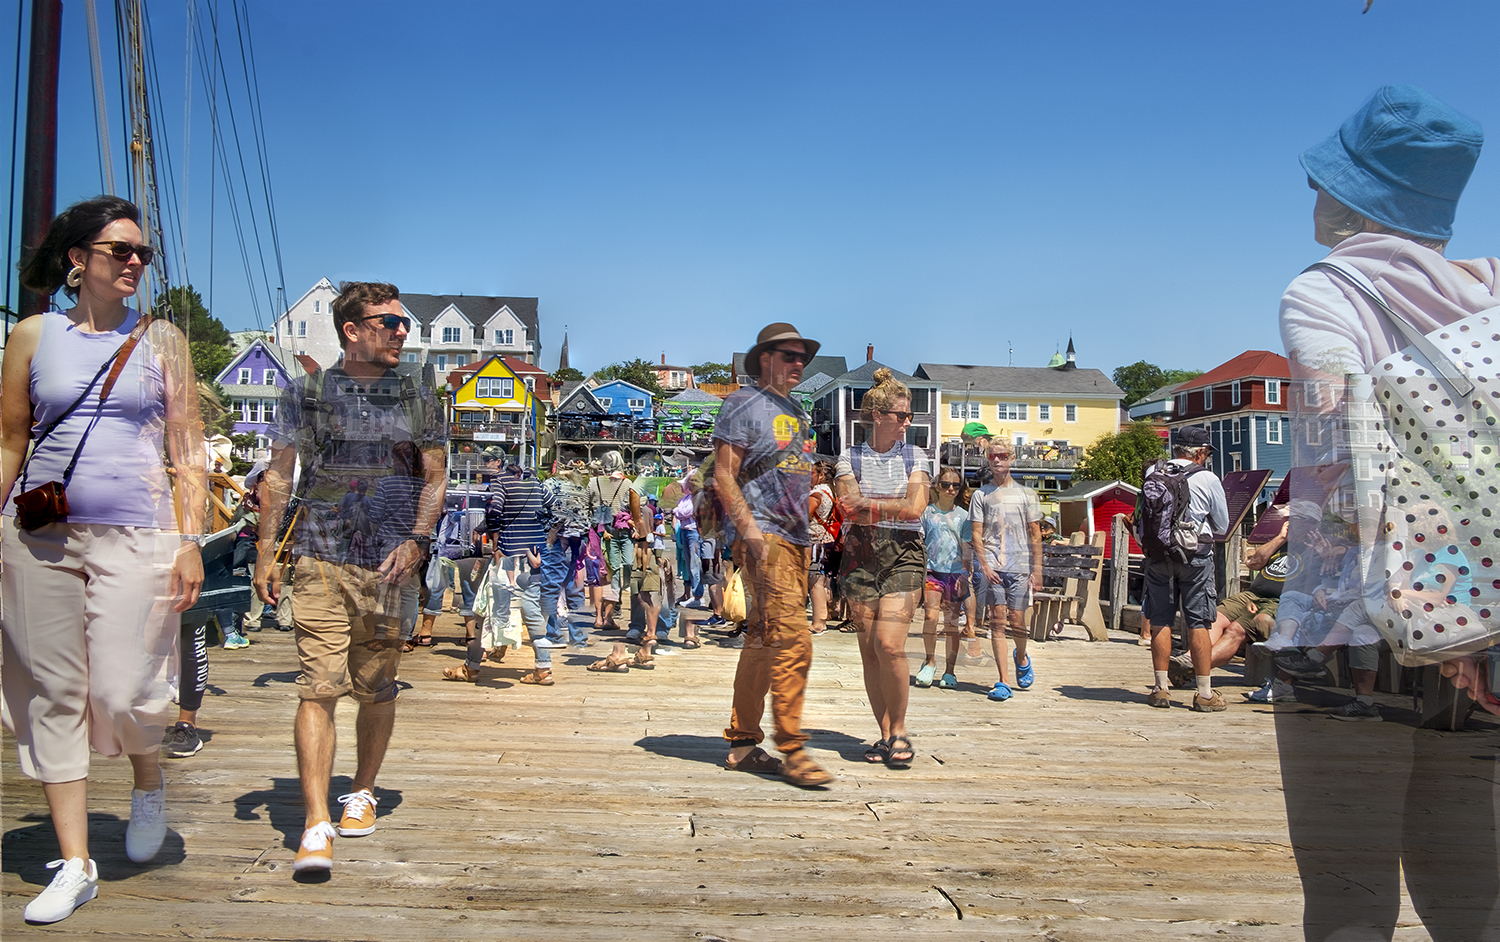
1006	520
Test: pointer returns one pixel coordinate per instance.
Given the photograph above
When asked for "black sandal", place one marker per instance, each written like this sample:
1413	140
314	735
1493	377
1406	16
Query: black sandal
880	752
899	744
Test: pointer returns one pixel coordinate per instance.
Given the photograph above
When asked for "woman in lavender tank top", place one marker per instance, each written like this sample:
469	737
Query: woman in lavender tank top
103	585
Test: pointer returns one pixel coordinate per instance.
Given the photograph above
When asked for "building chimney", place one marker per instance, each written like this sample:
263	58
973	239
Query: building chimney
869	353
664	359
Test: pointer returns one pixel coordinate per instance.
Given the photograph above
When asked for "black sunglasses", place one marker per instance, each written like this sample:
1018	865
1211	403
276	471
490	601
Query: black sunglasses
121	251
951	485
794	356
390	321
900	416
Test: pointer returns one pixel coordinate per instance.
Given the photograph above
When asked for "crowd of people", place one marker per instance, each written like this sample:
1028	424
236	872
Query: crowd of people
357	541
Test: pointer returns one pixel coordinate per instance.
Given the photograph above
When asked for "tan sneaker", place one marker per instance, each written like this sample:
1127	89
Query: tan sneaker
316	850
359	813
1159	698
1214	704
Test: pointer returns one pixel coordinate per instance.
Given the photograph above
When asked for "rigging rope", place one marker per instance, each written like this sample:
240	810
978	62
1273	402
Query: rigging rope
96	62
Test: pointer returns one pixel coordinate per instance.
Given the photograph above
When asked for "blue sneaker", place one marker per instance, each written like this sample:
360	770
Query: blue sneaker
1001	691
1025	676
948	682
233	641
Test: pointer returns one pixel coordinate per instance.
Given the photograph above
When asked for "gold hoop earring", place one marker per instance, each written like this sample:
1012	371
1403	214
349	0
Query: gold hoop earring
75	277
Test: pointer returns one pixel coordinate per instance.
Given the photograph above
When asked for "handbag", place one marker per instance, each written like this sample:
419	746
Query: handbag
48	503
1424	435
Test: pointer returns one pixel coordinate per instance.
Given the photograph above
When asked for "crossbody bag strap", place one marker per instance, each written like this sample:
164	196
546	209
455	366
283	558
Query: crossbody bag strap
1444	365
114	365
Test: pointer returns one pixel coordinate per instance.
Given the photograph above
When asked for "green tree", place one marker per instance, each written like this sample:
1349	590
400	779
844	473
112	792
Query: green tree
1141	378
713	373
568	374
208	338
1121	455
640	372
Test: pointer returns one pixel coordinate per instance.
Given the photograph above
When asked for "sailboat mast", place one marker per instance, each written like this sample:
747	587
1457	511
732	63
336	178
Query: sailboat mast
39	184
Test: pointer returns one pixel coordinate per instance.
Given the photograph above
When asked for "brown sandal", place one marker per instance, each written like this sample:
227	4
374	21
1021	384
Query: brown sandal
756	760
463	673
609	666
802	771
644	663
540	677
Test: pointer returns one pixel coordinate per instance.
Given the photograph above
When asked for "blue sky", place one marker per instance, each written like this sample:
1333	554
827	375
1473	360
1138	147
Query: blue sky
947	181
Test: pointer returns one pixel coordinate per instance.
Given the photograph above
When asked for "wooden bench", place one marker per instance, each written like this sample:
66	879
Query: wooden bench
1078	564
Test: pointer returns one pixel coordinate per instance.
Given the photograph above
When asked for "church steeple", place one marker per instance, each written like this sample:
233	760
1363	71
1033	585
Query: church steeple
1072	360
562	358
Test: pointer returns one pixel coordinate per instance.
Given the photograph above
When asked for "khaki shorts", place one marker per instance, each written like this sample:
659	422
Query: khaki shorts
348	631
1236	610
881	561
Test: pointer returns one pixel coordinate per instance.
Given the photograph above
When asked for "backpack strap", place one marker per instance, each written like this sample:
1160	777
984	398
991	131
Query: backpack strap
1441	363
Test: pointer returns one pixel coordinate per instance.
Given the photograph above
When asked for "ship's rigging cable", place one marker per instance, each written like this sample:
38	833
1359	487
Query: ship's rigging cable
258	125
96	67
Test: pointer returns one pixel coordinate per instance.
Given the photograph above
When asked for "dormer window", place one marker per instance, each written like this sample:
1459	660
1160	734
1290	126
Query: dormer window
1273	392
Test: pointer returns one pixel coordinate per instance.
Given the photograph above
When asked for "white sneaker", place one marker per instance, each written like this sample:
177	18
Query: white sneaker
148	823
546	643
75	884
1273	691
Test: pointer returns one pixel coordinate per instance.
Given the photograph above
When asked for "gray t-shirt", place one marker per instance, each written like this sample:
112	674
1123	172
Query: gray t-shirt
357	430
776	470
1004	515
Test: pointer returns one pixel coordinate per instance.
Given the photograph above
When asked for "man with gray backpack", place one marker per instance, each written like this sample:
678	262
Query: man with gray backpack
1180	508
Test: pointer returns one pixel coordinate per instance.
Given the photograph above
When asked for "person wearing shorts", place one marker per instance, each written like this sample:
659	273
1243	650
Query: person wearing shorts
947	535
882	490
361	417
1006	521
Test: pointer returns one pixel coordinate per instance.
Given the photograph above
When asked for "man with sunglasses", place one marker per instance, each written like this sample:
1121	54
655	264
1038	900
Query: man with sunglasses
763	475
1006	517
354	577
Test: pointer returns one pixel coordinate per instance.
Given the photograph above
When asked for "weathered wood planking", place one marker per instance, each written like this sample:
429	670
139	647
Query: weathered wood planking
597	809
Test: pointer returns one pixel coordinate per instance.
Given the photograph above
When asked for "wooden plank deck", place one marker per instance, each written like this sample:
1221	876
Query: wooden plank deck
597	809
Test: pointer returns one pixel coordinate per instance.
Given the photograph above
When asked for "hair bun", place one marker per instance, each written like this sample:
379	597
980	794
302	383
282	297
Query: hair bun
882	375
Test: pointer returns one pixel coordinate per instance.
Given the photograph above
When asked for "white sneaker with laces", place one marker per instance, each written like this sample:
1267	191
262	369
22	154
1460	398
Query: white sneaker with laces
148	823
75	884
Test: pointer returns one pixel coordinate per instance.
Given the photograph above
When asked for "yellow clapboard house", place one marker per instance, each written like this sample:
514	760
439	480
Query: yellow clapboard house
495	407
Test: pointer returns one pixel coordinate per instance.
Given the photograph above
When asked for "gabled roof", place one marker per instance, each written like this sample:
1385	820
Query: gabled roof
694	395
1021	380
812	383
1083	490
309	365
1166	392
290	364
1251	363
477	309
645	393
580	398
864	374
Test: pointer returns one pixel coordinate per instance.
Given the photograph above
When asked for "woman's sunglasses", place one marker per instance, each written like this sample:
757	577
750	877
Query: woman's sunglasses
951	485
390	321
898	416
121	251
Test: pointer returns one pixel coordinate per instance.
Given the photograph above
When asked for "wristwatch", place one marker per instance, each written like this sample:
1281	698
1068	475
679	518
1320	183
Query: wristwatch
198	538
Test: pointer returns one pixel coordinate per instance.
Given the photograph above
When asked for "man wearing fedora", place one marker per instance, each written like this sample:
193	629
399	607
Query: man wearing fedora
763	473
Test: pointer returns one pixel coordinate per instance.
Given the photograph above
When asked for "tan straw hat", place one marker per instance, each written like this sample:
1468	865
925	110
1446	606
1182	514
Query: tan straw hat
771	335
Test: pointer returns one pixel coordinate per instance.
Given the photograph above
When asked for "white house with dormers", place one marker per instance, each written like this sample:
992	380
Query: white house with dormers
448	330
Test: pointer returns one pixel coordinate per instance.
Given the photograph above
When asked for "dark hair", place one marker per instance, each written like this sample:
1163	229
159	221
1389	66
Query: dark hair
46	268
349	306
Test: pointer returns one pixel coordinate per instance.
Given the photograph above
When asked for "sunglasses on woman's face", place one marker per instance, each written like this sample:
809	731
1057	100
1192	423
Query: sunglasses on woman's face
898	416
390	321
121	251
950	485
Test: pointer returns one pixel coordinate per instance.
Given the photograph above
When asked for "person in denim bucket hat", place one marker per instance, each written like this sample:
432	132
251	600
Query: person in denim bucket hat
1388	184
1402	160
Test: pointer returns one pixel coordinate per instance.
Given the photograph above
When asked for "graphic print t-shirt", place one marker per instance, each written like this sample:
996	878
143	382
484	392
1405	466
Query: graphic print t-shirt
773	431
945	534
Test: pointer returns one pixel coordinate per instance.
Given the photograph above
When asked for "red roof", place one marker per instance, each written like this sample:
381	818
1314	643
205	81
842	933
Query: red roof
1251	363
308	363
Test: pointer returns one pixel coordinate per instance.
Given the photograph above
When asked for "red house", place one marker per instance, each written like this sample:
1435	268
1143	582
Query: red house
1091	506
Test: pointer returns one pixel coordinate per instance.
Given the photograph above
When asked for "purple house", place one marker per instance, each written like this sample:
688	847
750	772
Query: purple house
253	382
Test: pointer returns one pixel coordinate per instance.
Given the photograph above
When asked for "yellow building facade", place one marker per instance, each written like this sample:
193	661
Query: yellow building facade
1026	405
